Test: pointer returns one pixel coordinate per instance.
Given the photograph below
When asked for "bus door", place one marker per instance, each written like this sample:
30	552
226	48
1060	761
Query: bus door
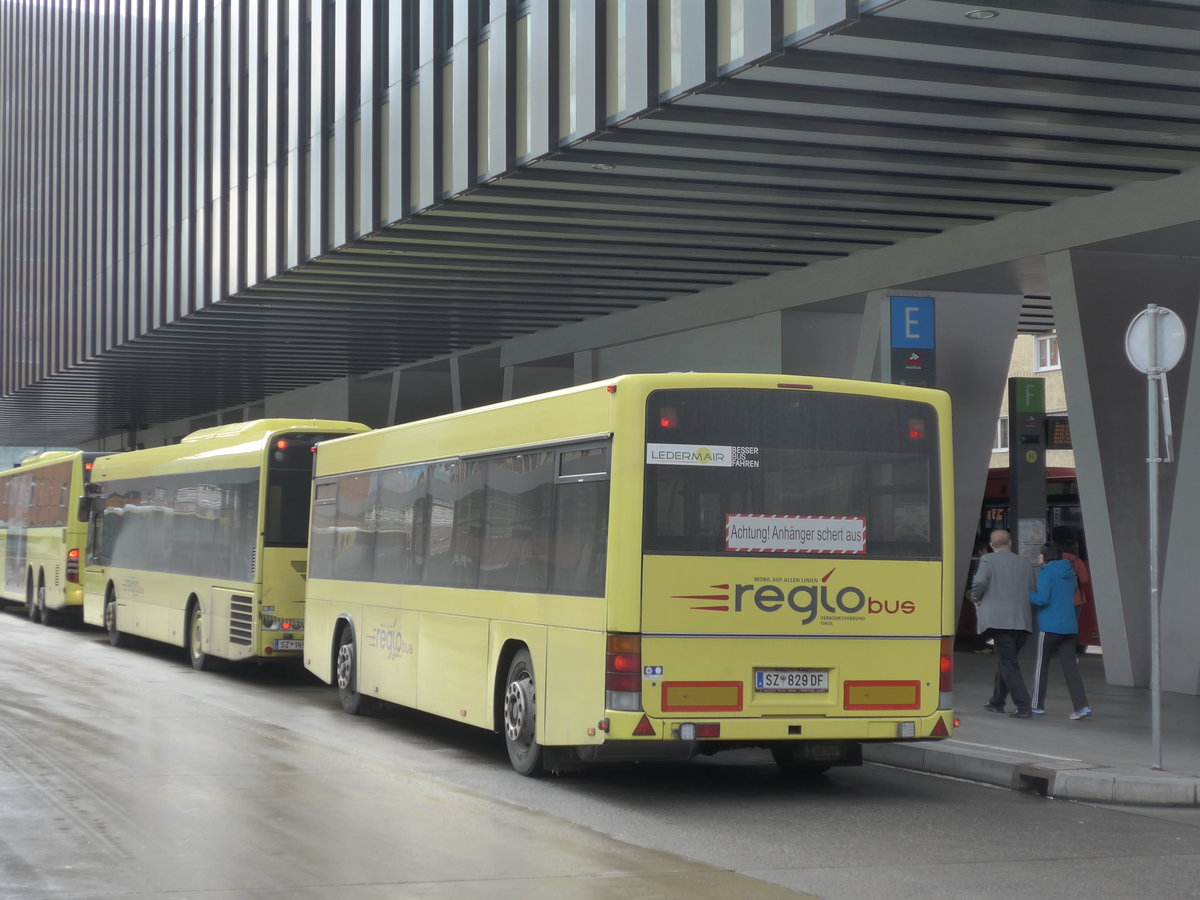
16	545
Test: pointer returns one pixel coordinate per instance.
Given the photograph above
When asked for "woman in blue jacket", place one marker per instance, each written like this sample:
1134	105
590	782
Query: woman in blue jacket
1055	602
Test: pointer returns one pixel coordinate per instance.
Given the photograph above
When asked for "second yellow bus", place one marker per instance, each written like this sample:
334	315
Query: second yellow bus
203	544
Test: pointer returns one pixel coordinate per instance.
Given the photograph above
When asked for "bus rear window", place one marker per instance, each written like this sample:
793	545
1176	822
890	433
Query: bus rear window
289	488
732	471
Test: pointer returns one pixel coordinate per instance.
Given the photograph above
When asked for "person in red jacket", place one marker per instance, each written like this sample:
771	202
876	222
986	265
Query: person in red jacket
1085	602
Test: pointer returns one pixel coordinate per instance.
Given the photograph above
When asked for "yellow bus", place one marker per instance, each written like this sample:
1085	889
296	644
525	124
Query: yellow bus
650	566
41	535
204	544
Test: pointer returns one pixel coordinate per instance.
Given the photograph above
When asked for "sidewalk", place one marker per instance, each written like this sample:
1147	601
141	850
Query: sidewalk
1105	758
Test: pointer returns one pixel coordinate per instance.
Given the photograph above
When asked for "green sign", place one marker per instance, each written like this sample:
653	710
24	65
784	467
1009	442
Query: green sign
1029	394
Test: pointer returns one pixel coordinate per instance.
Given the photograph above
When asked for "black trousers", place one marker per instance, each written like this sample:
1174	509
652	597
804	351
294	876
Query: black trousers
1008	643
1062	646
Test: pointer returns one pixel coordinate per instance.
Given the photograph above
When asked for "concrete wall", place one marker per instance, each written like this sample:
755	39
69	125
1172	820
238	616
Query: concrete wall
745	345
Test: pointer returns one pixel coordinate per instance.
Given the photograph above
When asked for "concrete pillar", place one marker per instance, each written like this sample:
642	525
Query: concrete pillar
1096	295
974	338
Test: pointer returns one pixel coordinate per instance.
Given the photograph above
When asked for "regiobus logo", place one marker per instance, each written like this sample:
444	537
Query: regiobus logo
807	599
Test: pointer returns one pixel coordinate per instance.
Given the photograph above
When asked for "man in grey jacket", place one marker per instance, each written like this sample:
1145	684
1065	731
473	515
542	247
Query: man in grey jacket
1000	592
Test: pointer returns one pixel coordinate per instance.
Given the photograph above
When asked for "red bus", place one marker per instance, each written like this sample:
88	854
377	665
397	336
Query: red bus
1064	521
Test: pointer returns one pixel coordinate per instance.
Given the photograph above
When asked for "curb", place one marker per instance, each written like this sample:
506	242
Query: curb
1051	777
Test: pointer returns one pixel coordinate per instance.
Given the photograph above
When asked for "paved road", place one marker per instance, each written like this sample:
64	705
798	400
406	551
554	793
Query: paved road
123	773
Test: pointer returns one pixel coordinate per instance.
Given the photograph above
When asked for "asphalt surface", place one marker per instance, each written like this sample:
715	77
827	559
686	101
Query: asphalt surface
125	773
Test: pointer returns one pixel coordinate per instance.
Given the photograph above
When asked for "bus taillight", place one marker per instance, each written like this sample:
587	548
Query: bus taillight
946	675
73	566
623	672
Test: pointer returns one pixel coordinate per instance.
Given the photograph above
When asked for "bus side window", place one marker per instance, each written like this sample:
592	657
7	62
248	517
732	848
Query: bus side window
579	554
324	521
580	538
518	522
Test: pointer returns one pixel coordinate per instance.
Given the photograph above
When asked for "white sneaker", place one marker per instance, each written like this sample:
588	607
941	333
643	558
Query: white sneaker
1081	713
1038	712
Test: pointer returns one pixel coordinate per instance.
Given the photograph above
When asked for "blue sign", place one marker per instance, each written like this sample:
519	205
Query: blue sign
912	322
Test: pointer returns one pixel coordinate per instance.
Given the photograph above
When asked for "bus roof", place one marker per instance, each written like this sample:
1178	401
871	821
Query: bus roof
578	412
237	445
44	458
261	428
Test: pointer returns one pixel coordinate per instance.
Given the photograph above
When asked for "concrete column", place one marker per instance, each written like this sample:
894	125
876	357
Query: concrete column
974	338
1096	295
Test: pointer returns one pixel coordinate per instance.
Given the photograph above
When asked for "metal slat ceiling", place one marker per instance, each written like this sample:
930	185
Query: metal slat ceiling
915	120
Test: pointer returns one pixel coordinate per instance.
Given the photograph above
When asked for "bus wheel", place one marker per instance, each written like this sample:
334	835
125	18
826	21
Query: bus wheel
195	642
44	613
520	716
347	677
35	614
115	637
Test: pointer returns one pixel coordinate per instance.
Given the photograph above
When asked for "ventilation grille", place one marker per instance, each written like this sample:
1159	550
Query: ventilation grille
241	620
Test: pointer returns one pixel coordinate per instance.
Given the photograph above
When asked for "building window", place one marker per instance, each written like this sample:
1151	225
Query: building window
1045	353
1000	441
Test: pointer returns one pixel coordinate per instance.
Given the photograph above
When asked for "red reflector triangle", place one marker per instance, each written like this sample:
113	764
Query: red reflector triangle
939	730
644	727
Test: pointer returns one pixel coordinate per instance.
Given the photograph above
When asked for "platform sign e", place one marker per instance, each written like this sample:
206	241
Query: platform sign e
912	341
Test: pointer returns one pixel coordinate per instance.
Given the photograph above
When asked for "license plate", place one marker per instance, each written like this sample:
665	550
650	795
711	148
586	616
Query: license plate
288	645
791	681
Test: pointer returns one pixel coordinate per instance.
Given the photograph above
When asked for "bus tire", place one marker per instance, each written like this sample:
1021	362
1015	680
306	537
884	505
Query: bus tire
45	614
115	636
520	716
195	638
346	676
35	614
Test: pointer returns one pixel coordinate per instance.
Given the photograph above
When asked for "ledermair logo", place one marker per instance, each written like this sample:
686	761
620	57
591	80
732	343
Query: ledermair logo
807	597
